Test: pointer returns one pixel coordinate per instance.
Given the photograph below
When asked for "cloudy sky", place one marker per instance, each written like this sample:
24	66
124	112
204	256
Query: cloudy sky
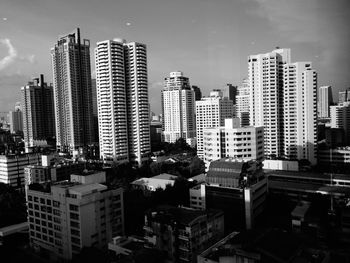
209	40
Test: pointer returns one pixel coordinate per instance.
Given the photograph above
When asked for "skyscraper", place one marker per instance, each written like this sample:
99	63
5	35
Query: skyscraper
38	111
344	96
197	92
178	106
265	75
211	112
325	99
230	92
16	120
122	93
72	92
243	102
300	111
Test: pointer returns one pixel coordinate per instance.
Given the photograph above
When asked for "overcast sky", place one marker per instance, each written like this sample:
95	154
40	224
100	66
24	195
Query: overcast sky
209	40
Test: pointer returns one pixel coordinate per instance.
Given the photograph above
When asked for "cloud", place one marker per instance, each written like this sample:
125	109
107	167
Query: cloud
11	56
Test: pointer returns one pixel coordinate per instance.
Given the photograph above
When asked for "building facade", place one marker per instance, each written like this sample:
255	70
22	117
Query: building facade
38	111
12	168
182	232
325	100
340	118
243	143
73	214
72	92
300	112
243	102
211	112
123	108
265	77
16	121
178	107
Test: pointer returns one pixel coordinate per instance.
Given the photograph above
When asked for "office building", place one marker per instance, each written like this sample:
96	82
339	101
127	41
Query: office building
16	120
181	232
239	189
243	102
38	112
265	77
178	107
211	112
340	118
70	215
123	108
344	96
325	99
12	168
229	91
243	143
300	111
72	93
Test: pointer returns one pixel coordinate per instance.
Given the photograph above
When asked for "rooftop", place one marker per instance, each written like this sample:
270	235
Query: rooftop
165	176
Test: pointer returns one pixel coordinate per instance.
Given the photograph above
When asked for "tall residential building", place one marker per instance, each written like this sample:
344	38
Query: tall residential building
178	107
230	92
300	111
340	118
265	75
243	143
344	96
72	92
197	92
38	111
94	108
16	120
211	112
122	94
243	102
66	216
325	99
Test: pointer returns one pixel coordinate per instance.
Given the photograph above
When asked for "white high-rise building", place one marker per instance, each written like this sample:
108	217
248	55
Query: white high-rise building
325	99
340	118
243	102
72	92
211	112
122	94
265	76
300	111
232	140
178	106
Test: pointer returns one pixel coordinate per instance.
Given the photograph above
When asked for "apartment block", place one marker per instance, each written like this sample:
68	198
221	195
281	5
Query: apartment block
231	140
66	216
211	112
12	168
72	93
182	233
38	112
122	97
178	108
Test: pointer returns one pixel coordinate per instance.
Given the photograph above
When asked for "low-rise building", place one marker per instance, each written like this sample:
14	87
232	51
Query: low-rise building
182	233
66	216
238	188
12	168
158	181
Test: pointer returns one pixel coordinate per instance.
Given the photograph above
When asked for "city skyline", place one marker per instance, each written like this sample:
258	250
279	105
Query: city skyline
210	42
